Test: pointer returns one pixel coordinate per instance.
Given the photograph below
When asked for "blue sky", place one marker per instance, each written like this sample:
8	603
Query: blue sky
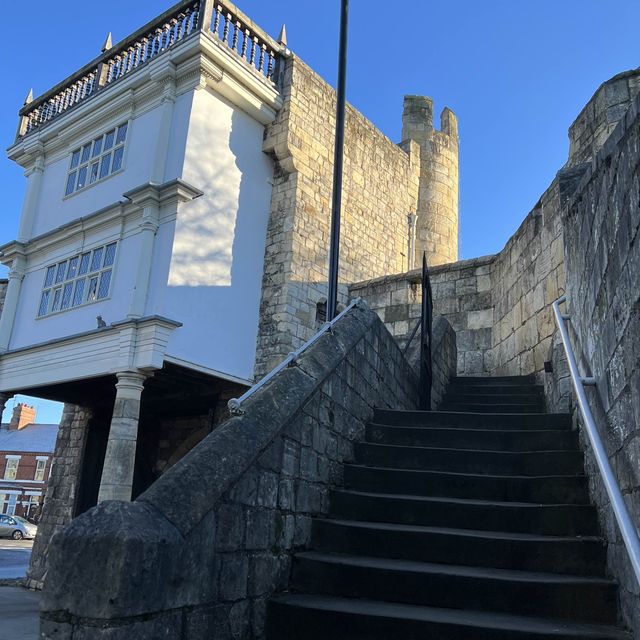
515	72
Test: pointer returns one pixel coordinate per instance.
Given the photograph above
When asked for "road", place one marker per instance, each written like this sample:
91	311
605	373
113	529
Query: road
14	557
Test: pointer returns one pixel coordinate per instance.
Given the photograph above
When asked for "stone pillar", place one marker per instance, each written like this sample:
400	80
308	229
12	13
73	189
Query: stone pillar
437	211
148	229
119	460
16	274
32	195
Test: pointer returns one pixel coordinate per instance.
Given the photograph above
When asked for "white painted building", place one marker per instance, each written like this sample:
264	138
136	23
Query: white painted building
141	239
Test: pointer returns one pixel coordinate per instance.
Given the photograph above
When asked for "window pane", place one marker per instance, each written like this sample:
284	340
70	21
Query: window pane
105	280
57	295
73	267
86	152
48	281
110	254
122	133
104	165
75	159
77	294
93	288
71	181
97	147
96	261
82	177
44	303
108	141
117	159
84	263
62	267
94	173
66	295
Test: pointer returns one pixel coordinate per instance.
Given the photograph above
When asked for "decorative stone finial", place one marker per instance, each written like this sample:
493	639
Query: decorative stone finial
107	43
282	38
29	97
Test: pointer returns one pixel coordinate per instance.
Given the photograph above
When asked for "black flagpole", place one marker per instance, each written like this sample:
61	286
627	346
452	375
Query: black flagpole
334	250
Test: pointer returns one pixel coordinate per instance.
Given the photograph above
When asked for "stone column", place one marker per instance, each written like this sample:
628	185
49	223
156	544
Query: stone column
16	274
119	460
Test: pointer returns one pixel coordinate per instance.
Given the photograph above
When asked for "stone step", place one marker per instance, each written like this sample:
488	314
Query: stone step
551	489
577	598
457	397
505	463
515	517
482	407
501	550
311	617
535	390
491	381
481	439
453	419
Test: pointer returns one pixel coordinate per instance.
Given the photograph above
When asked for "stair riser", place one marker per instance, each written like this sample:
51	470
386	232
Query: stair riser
582	557
453	420
560	520
534	390
577	602
469	461
479	407
295	623
479	439
494	398
569	490
487	381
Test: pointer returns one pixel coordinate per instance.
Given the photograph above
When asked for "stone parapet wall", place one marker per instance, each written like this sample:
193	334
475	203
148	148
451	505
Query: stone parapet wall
381	181
602	236
199	553
461	295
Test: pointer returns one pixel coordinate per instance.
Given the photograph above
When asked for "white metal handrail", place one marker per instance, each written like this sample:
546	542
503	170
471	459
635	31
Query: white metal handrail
235	404
627	527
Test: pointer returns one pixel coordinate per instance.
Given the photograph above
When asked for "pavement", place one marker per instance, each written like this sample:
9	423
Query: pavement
18	613
14	558
18	606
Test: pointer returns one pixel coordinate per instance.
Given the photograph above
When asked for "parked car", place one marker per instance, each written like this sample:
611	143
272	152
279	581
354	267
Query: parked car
16	527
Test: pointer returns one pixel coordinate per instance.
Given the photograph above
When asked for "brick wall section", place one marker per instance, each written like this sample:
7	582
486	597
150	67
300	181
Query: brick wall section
224	521
60	499
602	235
381	182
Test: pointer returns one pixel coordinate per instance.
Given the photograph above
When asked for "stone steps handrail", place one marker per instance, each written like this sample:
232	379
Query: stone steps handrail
221	20
235	404
625	523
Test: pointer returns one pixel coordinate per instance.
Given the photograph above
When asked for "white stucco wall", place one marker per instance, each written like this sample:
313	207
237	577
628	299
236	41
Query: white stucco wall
214	280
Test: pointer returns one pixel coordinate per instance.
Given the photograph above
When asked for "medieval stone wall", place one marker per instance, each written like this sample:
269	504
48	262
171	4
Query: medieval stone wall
381	181
602	234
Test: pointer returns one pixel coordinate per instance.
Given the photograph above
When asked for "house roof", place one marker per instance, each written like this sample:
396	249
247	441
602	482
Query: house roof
34	438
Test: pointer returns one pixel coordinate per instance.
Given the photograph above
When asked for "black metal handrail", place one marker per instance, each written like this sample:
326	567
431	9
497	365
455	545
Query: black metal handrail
425	324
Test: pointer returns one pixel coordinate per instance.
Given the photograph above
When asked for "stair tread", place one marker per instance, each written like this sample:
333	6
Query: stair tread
460	617
418	566
460	473
464	533
519	416
461	449
474	430
463	501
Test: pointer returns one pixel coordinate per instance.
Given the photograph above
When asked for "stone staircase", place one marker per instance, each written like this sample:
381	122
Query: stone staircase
472	522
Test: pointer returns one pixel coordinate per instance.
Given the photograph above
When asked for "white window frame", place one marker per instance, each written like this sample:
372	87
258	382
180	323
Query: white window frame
39	460
68	283
12	503
11	459
95	160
